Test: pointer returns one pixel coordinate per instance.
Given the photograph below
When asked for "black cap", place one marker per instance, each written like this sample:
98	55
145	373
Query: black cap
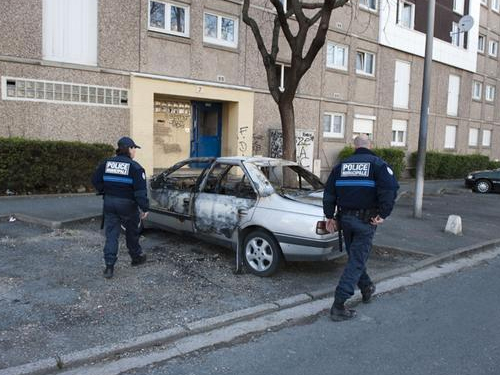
127	142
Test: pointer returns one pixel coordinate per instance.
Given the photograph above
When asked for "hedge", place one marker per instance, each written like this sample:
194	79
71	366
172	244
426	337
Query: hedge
394	157
440	165
34	166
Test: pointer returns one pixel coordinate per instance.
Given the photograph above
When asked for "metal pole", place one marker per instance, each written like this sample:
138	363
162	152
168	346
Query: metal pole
424	112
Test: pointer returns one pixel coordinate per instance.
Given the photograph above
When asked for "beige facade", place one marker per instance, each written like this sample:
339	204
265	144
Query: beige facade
159	70
237	119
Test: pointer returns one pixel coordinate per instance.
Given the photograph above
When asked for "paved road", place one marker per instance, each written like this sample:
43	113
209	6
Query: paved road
56	208
445	326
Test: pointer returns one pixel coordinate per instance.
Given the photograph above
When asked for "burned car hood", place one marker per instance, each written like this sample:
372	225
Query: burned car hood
314	198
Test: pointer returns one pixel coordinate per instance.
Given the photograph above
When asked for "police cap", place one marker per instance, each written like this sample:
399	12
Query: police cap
127	142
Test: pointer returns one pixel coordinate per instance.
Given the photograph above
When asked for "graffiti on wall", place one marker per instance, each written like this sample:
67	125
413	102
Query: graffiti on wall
243	135
304	143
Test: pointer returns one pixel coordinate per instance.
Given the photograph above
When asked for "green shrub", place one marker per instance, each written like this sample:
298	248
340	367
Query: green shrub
439	165
394	157
36	166
494	165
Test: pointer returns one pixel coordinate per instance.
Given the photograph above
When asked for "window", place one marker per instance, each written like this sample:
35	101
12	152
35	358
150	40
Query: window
477	90
363	125
473	137
486	138
495	5
481	42
220	30
453	95
282	72
70	31
458	6
337	56
402	84
399	128
333	125
368	4
493	48
406	14
169	18
450	137
490	93
69	93
457	37
365	63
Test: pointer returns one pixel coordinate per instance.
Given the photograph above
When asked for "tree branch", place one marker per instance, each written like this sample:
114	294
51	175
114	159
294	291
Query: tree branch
282	17
268	60
312	5
275	43
320	37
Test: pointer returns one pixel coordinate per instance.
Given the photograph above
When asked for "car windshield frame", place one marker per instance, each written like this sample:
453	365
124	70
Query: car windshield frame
303	174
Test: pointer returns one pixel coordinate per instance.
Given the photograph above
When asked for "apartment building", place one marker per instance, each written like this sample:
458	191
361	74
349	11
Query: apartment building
184	78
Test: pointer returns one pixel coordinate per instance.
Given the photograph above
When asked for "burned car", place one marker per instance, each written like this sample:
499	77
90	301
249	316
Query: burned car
272	207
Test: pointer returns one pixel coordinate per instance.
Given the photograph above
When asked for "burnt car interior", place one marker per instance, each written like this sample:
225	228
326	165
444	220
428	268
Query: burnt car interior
229	180
182	176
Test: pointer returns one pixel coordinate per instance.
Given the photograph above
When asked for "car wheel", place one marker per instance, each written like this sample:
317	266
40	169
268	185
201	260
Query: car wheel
262	254
482	186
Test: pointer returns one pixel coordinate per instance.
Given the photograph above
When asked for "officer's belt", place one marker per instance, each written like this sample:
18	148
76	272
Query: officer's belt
363	214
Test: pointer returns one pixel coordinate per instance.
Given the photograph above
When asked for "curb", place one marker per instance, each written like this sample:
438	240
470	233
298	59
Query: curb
54	224
30	196
71	361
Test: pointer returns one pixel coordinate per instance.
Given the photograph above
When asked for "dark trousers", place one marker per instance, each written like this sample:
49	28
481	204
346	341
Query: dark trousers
117	212
358	240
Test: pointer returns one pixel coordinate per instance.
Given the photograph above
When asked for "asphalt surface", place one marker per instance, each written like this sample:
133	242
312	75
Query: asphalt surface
444	326
56	208
54	300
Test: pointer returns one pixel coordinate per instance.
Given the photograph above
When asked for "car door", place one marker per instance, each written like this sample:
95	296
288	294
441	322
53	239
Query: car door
226	200
171	194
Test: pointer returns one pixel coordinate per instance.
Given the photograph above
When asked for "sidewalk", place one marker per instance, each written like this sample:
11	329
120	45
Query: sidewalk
56	209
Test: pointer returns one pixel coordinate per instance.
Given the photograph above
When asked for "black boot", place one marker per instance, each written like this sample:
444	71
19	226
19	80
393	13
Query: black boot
140	259
108	272
339	312
368	292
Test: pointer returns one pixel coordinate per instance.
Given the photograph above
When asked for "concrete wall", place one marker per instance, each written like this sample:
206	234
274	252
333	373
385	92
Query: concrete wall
238	131
58	121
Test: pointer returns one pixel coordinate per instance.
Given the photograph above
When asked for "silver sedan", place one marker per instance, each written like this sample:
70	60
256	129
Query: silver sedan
270	208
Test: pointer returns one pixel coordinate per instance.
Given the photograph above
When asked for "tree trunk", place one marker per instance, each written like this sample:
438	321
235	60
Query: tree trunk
287	116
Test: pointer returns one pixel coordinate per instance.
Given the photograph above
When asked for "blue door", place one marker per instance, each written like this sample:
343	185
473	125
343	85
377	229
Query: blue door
207	129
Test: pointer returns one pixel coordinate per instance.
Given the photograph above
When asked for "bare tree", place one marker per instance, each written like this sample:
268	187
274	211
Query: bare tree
301	60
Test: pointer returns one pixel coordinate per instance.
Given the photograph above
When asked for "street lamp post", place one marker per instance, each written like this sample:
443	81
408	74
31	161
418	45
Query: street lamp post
424	112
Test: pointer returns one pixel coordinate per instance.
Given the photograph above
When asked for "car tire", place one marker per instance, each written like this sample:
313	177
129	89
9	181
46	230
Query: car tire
482	186
261	253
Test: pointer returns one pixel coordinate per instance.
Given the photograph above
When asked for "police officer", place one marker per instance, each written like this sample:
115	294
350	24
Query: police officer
359	194
123	183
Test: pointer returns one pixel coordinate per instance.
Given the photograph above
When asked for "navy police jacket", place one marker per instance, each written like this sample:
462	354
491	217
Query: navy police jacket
122	177
361	181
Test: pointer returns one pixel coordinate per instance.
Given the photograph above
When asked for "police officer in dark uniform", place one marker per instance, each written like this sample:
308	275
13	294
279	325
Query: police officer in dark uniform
123	183
359	194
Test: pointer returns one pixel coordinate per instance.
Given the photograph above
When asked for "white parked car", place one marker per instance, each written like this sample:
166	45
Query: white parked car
274	205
